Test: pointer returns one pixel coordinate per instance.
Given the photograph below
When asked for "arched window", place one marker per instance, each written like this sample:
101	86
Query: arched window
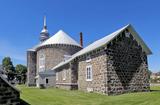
41	62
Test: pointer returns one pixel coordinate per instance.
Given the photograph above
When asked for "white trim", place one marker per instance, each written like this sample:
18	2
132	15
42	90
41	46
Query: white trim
66	84
66	57
88	58
57	76
127	34
64	74
102	42
89	73
139	40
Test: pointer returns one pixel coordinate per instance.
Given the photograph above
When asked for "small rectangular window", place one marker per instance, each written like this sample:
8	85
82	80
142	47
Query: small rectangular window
57	76
64	74
89	73
41	62
66	57
88	58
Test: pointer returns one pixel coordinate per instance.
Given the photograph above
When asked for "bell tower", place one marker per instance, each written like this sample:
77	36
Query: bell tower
44	35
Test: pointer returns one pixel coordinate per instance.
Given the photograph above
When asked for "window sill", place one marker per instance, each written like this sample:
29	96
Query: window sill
88	60
88	79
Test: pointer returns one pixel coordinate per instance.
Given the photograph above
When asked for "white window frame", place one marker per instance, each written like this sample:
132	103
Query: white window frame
41	62
89	73
127	34
88	58
66	57
56	75
64	73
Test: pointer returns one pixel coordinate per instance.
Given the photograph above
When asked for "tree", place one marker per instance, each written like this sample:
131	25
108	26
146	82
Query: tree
21	71
8	68
149	73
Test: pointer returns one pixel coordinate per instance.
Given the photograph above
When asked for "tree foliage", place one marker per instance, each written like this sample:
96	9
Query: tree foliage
8	67
21	71
7	64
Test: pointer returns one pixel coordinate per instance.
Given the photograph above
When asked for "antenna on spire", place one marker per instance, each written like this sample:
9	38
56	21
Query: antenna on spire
45	21
44	25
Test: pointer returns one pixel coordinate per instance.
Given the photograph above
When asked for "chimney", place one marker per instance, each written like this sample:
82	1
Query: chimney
81	39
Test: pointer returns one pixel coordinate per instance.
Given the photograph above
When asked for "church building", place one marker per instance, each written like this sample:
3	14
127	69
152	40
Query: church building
115	64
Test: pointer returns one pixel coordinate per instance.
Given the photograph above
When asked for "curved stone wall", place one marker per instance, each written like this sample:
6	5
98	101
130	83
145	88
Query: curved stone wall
54	54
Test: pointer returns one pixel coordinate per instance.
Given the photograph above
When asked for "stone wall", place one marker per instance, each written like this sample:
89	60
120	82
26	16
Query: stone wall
70	82
51	81
118	67
31	68
42	80
127	66
8	94
98	63
54	54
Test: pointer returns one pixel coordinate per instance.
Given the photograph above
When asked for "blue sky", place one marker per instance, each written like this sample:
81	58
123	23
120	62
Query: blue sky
21	22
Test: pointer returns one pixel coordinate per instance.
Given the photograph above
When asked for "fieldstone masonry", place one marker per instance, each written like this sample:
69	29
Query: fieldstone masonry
8	94
31	67
118	67
118	63
70	82
54	54
126	66
98	63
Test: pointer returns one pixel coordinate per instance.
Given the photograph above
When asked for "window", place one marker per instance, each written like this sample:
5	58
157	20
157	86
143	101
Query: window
64	74
88	58
41	62
127	33
46	81
89	73
57	76
66	57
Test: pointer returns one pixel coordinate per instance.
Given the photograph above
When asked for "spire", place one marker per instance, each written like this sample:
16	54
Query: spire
44	33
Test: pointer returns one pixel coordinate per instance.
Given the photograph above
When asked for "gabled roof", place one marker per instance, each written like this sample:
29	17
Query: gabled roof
60	38
106	40
9	83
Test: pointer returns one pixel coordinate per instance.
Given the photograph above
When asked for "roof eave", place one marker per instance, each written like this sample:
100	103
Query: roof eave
145	47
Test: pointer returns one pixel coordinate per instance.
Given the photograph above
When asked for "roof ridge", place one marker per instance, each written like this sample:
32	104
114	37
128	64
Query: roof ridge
102	42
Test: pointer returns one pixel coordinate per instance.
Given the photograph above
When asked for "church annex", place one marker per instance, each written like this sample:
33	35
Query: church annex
115	64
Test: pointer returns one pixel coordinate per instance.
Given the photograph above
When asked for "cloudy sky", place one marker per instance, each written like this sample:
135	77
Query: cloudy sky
21	22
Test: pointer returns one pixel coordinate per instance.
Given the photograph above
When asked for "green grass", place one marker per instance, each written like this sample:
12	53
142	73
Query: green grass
52	96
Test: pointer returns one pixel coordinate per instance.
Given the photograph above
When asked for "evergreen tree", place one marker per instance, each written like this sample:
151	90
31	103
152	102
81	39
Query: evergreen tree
8	68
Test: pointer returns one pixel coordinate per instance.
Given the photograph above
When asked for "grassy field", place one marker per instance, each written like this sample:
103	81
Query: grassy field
51	96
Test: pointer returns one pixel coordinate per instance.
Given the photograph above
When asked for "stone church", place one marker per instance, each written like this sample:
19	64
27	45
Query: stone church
115	64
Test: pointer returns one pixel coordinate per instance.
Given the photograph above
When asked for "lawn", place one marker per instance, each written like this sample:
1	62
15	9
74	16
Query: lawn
52	96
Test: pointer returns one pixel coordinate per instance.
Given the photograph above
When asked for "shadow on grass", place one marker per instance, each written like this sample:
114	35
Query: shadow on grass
154	90
22	102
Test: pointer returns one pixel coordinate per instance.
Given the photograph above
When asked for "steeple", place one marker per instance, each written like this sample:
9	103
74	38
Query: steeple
44	33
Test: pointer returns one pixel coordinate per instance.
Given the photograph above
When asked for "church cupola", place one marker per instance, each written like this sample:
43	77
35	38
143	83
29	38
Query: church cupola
44	35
